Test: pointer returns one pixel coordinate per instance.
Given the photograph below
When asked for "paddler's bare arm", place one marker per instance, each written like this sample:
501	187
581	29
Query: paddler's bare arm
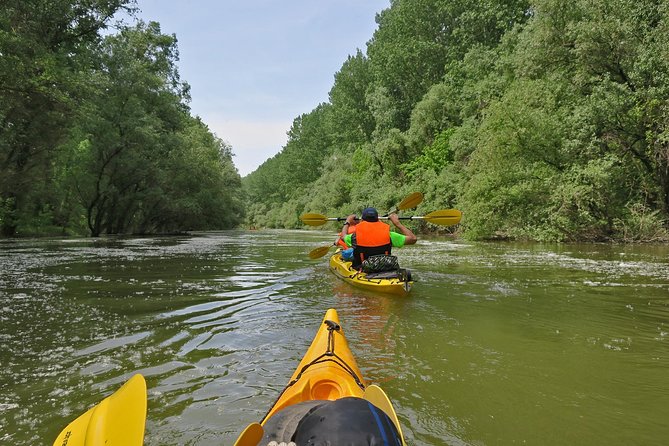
351	220
410	236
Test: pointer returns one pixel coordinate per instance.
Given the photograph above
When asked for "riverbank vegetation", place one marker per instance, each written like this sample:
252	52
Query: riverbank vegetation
544	120
96	134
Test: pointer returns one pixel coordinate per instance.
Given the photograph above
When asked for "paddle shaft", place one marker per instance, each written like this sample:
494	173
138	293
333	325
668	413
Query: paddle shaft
413	217
447	217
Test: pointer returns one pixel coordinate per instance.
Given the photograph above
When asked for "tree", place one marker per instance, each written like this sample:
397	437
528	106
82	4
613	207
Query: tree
45	47
142	163
352	119
417	39
546	122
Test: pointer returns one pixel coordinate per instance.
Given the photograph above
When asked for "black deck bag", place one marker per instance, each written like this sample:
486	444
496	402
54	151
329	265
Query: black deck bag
380	263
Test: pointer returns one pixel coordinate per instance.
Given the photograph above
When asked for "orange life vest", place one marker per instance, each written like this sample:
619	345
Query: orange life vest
370	239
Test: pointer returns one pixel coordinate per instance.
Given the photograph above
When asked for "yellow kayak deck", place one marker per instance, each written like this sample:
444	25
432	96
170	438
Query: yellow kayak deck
345	271
328	370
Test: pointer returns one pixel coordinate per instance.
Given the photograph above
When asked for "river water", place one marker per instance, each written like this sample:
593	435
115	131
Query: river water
497	344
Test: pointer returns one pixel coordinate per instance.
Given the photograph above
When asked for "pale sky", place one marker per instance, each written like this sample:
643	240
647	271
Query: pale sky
255	65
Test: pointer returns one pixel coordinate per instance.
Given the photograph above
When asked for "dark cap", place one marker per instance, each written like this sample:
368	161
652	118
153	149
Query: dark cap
370	214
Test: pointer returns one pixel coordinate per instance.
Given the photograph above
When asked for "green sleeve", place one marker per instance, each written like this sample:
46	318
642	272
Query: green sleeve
397	240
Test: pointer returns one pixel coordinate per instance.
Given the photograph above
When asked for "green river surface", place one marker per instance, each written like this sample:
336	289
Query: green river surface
497	344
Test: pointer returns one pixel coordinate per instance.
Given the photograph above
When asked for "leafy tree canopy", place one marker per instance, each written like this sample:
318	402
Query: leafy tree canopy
544	120
96	134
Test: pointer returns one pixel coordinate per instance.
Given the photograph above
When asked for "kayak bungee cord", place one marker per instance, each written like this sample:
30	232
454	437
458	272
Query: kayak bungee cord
329	353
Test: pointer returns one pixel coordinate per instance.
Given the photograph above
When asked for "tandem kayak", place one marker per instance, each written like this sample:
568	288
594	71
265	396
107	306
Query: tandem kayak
327	401
382	282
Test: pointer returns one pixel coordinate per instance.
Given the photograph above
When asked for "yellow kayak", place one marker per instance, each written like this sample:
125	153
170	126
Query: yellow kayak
393	285
328	370
325	402
327	399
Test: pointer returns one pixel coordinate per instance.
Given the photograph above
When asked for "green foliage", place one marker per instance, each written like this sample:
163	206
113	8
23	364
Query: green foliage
45	63
587	200
352	119
417	39
96	134
7	213
639	224
200	184
545	122
434	157
289	173
518	157
145	165
390	152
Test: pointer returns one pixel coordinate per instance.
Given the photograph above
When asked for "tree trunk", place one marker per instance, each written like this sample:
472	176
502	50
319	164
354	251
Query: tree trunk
9	225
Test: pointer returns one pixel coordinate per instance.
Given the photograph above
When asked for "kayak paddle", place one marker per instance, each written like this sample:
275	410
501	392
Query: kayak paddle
118	420
444	217
410	201
319	252
318	219
251	435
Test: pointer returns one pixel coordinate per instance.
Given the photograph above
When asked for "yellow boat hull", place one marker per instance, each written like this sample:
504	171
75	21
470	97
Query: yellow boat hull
328	370
344	270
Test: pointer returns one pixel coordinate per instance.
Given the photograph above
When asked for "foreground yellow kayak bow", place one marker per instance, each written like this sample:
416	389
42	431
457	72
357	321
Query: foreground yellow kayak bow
327	373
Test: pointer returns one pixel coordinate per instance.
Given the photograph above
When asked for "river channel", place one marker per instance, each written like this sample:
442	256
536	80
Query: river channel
497	344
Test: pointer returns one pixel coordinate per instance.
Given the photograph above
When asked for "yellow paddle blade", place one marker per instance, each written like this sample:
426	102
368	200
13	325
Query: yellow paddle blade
445	217
118	420
411	201
251	435
314	219
375	395
319	252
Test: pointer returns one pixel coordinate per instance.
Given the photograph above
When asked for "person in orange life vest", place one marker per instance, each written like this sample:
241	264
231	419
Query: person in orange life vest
348	228
373	237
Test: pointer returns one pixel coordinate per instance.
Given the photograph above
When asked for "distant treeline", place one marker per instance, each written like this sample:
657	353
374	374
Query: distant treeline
545	120
95	133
